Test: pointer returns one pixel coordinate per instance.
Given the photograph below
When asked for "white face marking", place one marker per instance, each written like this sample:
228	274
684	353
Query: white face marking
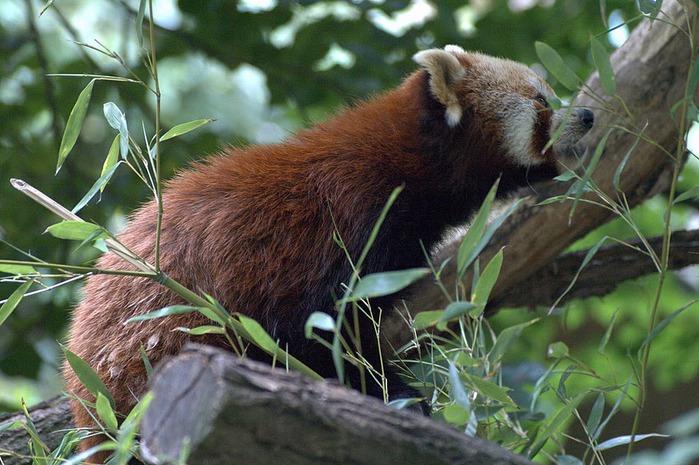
518	119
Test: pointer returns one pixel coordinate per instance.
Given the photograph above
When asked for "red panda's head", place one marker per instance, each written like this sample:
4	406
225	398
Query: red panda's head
507	98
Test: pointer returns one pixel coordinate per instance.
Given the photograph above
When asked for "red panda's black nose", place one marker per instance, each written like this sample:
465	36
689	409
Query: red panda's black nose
587	118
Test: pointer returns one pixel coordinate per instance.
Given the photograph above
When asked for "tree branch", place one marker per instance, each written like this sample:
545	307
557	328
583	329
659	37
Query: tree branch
651	71
611	265
247	412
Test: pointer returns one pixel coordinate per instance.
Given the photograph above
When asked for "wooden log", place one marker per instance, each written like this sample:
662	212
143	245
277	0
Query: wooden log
231	410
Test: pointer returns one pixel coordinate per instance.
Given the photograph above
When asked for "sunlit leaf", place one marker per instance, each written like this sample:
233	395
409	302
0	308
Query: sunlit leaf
624	440
74	124
319	320
17	269
487	280
171	310
106	413
117	120
184	128
75	230
386	283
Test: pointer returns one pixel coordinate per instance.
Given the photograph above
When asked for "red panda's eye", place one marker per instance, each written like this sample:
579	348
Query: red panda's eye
542	100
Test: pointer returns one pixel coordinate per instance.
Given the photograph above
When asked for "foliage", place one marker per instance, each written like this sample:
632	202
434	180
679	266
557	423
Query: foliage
512	379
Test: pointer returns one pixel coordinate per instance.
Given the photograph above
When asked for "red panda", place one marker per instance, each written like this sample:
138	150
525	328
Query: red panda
254	227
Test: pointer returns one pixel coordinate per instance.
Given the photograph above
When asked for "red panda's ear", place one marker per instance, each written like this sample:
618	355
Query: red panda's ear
445	70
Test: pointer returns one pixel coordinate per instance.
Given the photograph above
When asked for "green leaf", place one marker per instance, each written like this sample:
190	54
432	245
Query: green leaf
97	186
386	283
589	170
206	329
139	21
454	311
563	416
691	193
74	124
76	230
600	58
624	440
255	333
650	8
117	120
112	158
487	280
596	416
106	413
556	66
558	350
455	414
319	320
662	325
608	333
9	306
427	318
171	310
184	128
617	174
471	244
87	375
488	389
567	460
17	269
506	339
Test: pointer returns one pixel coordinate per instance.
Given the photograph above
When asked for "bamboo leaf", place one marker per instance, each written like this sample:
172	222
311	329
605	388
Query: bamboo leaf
21	270
74	124
75	230
624	440
454	311
117	120
487	280
97	186
427	318
139	21
87	375
106	413
600	58
9	306
662	325
319	320
171	310
556	66
184	128
386	283
472	245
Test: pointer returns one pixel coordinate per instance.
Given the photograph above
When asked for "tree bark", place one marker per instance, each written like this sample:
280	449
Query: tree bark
51	419
232	410
610	266
651	71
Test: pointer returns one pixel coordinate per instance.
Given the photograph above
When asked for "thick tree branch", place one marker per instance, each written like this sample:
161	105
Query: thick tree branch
232	410
611	265
651	71
51	419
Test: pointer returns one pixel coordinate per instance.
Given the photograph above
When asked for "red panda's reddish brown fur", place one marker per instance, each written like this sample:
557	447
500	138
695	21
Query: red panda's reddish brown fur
254	227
